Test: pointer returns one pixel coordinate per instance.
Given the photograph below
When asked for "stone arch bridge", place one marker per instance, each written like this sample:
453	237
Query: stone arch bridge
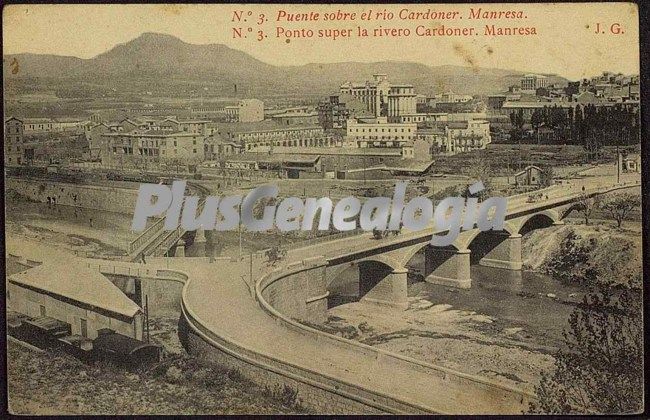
383	263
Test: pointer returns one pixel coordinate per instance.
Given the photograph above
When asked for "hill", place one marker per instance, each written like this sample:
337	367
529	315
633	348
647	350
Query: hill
166	59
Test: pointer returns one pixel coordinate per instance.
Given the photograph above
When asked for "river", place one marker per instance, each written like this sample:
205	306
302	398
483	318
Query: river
534	302
96	231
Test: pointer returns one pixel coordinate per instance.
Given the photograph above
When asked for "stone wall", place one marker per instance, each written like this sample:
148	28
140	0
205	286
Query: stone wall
302	295
113	199
316	392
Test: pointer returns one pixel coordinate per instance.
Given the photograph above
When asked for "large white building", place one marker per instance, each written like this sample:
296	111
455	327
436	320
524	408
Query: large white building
379	133
382	98
531	82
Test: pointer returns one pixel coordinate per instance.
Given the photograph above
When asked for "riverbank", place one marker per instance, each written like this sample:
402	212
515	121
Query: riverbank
91	232
509	325
560	251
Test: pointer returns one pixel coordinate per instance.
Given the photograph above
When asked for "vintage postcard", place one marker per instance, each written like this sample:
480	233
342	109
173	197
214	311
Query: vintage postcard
323	208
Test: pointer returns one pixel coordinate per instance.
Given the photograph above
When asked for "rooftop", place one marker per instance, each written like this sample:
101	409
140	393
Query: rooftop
79	283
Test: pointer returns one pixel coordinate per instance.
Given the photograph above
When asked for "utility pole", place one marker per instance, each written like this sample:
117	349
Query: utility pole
618	165
619	161
250	272
146	314
239	229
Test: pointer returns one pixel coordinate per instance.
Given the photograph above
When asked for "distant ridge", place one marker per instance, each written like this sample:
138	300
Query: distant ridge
165	57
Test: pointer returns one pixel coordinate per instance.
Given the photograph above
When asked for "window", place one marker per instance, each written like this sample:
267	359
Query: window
42	308
83	327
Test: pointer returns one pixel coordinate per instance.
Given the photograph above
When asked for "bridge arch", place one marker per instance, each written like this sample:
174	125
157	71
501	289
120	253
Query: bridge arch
567	210
379	279
537	221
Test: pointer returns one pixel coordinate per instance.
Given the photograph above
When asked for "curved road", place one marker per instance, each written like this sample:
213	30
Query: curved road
218	301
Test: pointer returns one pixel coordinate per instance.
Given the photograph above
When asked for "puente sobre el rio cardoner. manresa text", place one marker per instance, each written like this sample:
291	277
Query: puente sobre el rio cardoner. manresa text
246	315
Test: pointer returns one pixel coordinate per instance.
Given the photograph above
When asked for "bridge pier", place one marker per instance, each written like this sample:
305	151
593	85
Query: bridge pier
447	267
179	250
391	290
506	254
316	301
200	242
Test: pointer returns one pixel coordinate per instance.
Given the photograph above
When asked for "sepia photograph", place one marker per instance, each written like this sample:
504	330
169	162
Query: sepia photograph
310	209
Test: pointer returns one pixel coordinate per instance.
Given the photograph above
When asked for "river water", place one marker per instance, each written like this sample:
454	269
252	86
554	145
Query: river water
534	302
106	233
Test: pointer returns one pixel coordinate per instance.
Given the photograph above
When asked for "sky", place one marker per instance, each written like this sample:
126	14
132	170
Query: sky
565	44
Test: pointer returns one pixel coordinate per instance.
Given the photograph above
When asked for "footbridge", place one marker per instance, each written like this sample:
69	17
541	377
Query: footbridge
156	241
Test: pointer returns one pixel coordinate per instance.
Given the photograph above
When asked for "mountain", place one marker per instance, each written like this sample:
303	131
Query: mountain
167	59
39	65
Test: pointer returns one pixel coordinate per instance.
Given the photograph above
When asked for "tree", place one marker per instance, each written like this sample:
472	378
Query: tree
536	120
587	205
517	121
547	176
620	206
377	234
480	170
275	254
600	369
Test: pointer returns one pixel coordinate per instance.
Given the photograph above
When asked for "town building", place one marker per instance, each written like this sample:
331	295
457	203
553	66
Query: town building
78	296
292	167
383	98
267	134
378	132
530	175
250	110
296	117
42	125
532	82
467	136
333	113
13	144
245	110
217	147
153	146
451	97
631	163
420	149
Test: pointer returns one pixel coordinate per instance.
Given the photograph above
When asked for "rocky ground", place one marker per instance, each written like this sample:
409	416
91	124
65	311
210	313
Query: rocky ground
462	340
53	383
614	252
